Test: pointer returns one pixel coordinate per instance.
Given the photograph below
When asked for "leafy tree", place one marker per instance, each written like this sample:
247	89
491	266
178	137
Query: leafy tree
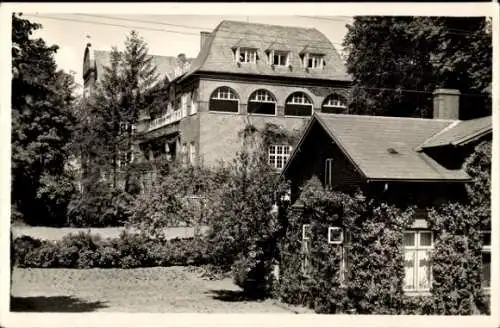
478	166
397	62
42	125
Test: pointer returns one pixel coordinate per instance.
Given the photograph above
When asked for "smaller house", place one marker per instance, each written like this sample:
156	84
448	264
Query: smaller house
401	160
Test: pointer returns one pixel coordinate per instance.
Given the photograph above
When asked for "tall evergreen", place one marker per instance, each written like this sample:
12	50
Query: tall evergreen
42	126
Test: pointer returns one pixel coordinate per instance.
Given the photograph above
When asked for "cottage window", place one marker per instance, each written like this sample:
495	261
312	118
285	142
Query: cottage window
313	61
192	153
298	104
328	172
279	58
262	102
224	99
334	104
486	260
248	55
306	249
278	155
417	249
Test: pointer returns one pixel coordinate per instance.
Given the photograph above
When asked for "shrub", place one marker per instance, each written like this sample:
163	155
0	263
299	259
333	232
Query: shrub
130	250
100	207
364	274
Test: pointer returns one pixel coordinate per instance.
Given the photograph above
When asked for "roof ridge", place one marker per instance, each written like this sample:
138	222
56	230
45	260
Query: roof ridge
149	54
266	24
449	127
390	117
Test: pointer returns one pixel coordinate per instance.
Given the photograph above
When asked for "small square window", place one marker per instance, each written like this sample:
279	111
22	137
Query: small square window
335	235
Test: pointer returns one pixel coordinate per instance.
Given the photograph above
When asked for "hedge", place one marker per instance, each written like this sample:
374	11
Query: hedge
84	250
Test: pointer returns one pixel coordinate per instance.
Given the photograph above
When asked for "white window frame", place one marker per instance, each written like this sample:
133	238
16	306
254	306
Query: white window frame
305	232
330	234
486	249
263	96
249	55
306	244
224	93
317	61
281	54
184	153
335	101
274	154
299	98
328	172
416	248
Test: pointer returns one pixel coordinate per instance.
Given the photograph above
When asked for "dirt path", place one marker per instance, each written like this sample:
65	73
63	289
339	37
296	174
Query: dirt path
173	289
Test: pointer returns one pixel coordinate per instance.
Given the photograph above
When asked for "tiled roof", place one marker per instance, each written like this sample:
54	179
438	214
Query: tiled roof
166	65
217	54
384	148
460	132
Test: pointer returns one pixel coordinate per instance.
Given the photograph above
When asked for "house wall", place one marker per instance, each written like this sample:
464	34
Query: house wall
310	162
219	137
280	89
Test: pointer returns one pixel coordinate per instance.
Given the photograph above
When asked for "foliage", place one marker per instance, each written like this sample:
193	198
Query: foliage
42	125
180	197
456	259
243	228
389	57
373	262
85	250
478	166
105	207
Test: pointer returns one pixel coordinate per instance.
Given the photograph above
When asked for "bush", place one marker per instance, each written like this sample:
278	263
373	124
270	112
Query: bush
83	250
103	207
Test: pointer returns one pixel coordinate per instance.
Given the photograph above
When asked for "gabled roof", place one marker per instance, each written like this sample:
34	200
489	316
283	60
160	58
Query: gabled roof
385	148
166	65
217	54
460	133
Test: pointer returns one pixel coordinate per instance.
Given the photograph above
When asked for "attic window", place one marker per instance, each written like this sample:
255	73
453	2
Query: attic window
313	60
278	58
247	55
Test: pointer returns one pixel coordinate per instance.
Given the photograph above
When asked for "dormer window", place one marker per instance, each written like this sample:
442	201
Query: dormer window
278	58
247	55
313	61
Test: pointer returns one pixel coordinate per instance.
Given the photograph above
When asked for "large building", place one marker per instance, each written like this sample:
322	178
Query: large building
244	73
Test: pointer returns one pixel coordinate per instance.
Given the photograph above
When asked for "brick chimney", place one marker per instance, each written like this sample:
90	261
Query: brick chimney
204	38
446	104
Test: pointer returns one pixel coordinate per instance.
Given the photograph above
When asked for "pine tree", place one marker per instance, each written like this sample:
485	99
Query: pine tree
42	125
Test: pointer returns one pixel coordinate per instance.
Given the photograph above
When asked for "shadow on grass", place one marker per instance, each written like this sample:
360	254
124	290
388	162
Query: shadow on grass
53	304
227	295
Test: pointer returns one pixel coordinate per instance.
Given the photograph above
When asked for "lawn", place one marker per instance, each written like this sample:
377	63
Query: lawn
172	289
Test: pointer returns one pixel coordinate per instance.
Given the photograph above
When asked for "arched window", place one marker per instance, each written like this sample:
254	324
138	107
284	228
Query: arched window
334	104
298	104
224	99
262	102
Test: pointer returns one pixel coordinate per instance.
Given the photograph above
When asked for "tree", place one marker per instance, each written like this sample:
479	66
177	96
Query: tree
120	95
42	125
397	62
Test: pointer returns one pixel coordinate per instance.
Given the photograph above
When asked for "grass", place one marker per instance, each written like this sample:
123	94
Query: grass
164	290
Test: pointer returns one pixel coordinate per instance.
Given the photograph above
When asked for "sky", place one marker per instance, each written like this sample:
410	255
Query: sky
167	35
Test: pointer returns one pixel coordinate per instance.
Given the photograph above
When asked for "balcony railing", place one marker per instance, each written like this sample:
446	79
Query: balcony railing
166	119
